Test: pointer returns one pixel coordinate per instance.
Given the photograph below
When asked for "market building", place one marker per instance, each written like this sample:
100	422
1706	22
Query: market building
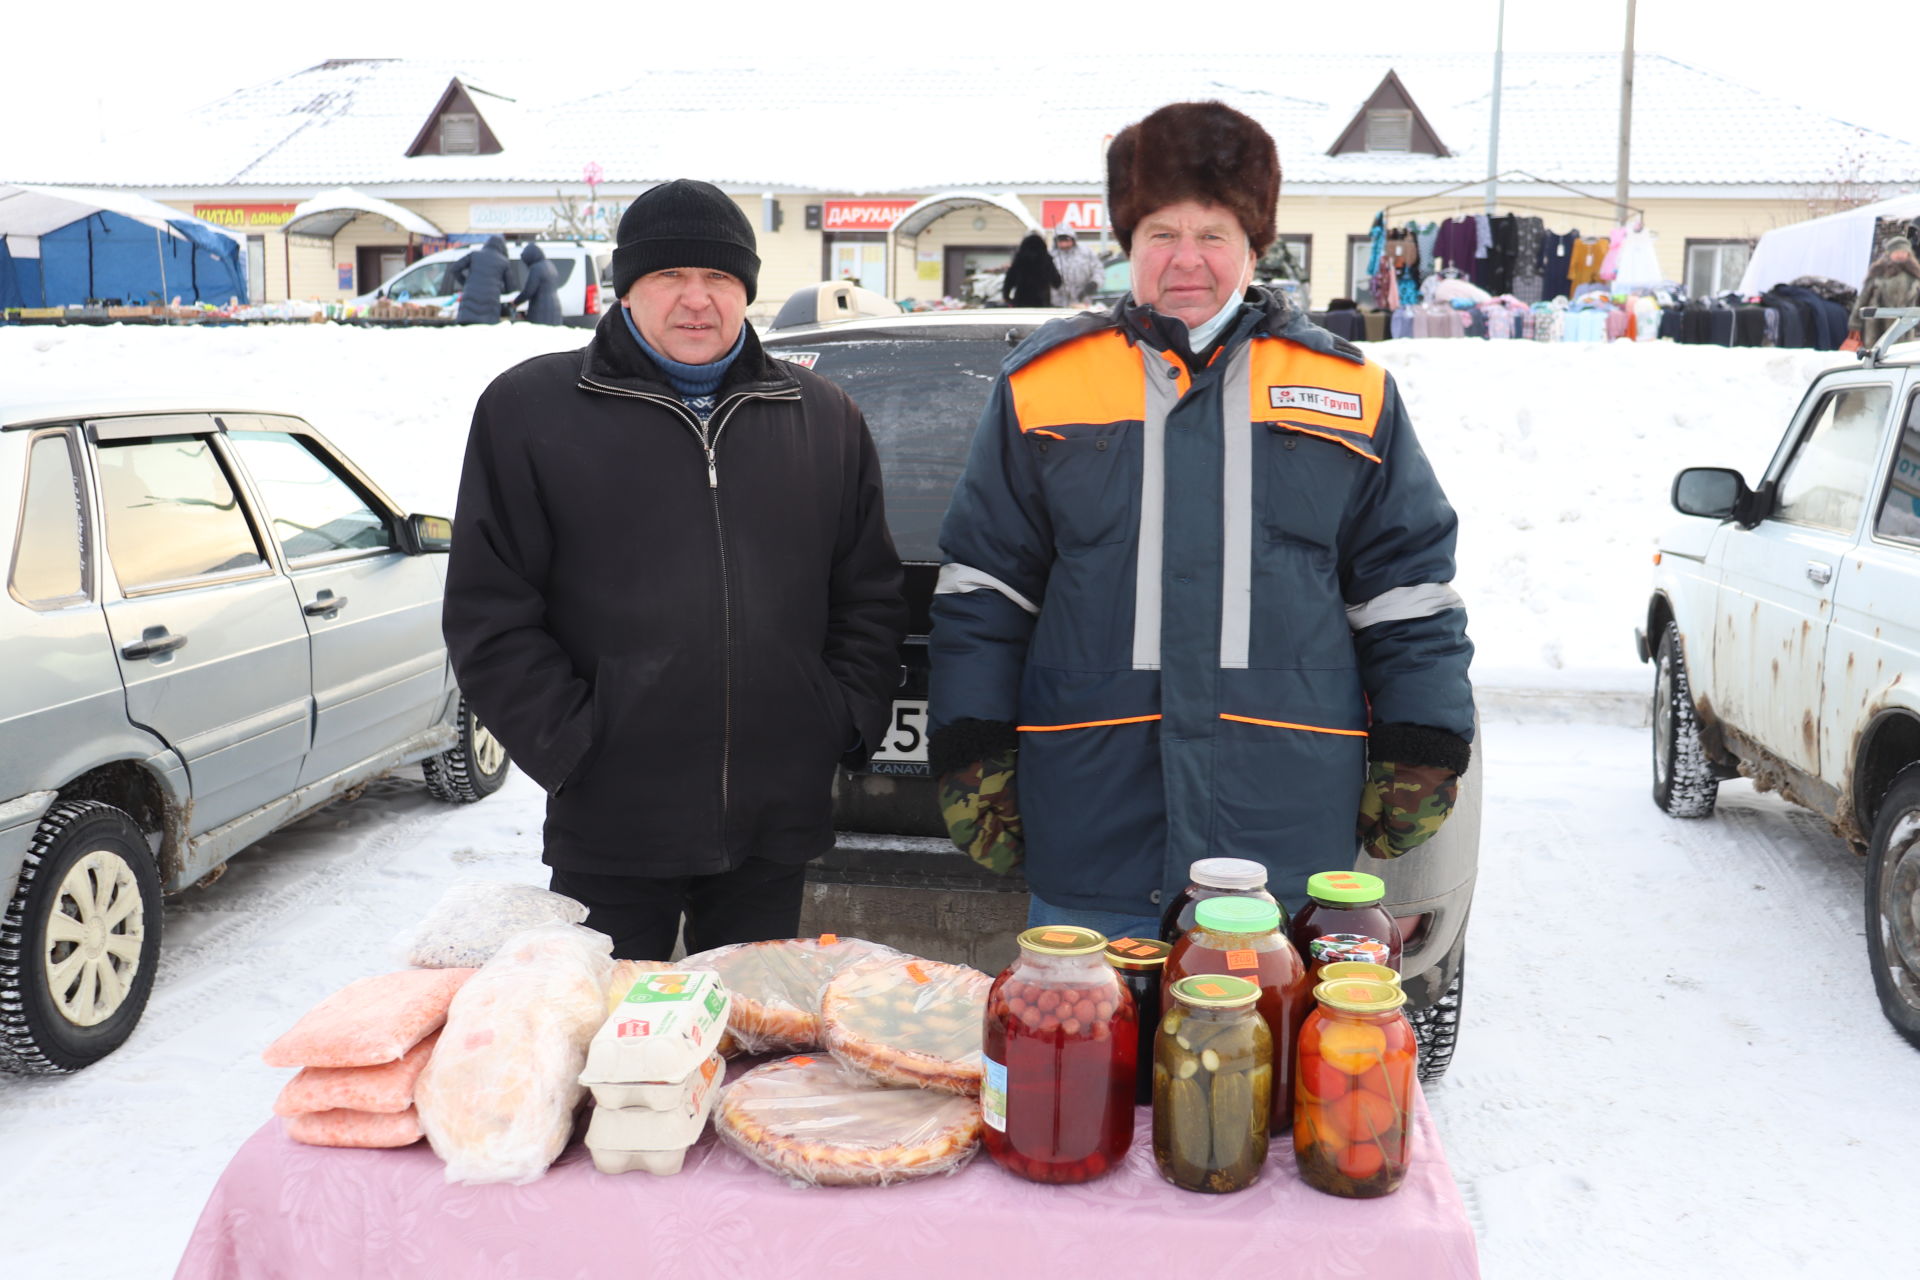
911	182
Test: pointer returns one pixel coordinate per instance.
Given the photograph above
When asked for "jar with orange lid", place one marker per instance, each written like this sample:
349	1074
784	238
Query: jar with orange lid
1056	1096
1353	1095
1241	937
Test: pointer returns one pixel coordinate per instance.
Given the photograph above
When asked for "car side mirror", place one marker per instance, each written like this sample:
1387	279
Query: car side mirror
1718	493
423	535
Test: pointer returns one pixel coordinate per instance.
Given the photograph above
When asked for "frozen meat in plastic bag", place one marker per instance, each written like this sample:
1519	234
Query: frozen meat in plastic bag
474	917
814	1122
369	1022
387	1088
777	985
343	1127
498	1095
909	1022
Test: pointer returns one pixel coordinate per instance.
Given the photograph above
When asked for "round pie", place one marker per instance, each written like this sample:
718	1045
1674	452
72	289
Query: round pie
812	1120
909	1022
777	986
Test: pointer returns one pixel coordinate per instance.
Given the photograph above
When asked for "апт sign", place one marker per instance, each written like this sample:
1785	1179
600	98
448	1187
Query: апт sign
242	217
862	215
1081	215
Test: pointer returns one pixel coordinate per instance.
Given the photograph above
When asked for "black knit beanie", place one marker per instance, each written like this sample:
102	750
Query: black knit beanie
684	223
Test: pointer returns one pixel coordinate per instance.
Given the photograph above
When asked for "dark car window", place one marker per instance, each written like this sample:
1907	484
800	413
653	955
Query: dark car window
171	512
562	268
50	559
1900	510
428	280
922	399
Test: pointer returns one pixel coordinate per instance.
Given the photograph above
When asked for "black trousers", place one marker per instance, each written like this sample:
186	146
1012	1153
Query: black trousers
755	901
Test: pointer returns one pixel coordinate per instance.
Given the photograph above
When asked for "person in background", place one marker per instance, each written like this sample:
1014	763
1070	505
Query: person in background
1892	281
1031	277
1197	599
672	594
1081	274
541	292
480	278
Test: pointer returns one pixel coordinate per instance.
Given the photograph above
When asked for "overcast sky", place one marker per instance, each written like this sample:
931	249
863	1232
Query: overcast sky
103	66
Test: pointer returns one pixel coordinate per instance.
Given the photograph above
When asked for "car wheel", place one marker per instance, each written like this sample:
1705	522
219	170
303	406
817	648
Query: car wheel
1893	904
1436	1028
79	941
472	769
1683	779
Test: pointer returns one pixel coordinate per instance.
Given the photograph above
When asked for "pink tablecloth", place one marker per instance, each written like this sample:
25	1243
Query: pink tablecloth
284	1210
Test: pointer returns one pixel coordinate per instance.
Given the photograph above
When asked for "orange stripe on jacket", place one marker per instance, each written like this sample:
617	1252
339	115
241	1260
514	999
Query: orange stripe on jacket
1089	724
1090	381
1304	388
1304	728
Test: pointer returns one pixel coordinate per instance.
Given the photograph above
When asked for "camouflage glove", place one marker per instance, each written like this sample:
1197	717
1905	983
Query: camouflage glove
1413	780
979	801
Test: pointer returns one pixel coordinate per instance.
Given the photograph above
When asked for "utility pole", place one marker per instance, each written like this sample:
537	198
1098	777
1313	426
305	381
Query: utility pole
1626	123
1493	139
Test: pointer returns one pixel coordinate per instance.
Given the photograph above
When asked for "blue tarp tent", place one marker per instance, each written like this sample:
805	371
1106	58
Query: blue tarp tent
68	245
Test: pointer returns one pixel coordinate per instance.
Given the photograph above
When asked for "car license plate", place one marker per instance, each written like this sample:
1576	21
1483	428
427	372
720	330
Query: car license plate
906	737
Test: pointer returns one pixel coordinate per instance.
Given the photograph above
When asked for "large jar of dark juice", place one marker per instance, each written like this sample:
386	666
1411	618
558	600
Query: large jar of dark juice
1139	962
1346	919
1061	1043
1241	938
1215	878
1353	1102
1212	1085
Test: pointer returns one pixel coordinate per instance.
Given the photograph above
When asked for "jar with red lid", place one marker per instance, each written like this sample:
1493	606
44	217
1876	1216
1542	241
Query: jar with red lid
1345	919
1353	1101
1061	1037
1215	878
1241	938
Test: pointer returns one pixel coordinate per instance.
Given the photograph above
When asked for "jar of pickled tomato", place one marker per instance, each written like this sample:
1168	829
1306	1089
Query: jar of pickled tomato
1353	1099
1212	1085
1345	919
1241	937
1359	969
1139	962
1061	1036
1215	878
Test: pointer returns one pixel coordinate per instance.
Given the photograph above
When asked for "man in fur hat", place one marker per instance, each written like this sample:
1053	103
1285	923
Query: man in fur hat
1892	281
1196	600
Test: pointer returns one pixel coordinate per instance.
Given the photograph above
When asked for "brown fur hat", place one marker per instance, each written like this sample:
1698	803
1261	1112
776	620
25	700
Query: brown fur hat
1204	151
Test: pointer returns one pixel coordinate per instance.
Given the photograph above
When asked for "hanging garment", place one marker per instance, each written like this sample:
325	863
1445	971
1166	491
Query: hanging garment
1529	241
1610	265
1637	264
1556	256
1584	266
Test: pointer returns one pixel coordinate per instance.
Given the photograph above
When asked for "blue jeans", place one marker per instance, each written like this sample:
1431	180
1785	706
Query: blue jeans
1115	924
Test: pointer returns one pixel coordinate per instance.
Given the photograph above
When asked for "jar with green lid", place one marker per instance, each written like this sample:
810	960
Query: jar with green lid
1212	1085
1241	937
1139	962
1353	1101
1345	918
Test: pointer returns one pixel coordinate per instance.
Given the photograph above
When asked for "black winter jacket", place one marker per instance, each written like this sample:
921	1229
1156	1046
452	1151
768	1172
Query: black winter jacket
678	642
542	290
481	277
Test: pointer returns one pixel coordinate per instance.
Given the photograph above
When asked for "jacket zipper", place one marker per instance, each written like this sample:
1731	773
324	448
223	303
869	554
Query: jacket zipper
709	439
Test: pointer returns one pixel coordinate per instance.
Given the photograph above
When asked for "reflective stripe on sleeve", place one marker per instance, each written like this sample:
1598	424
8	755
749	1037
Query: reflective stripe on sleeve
958	579
1161	394
1236	491
1422	601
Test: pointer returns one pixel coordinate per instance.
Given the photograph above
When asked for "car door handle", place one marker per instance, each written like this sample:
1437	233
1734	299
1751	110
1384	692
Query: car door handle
153	642
1820	573
323	604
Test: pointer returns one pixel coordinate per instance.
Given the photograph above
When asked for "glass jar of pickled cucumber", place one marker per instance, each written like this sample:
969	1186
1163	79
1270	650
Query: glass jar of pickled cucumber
1139	962
1212	1085
1056	1096
1353	1094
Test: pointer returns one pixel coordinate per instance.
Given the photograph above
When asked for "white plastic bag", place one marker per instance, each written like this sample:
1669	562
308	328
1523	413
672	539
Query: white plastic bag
473	917
498	1096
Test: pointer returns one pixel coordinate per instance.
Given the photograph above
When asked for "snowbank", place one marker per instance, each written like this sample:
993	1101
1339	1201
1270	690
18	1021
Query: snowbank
1559	457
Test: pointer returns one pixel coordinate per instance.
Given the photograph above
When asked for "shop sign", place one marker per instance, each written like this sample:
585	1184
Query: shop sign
244	217
1081	215
863	215
509	217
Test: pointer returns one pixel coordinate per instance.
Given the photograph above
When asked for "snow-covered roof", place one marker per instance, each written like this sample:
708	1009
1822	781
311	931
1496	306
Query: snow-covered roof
1004	123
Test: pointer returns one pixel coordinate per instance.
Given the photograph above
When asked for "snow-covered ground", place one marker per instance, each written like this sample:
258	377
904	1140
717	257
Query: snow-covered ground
1672	1061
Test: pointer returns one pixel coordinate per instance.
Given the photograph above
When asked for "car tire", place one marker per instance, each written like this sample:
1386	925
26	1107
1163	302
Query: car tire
1436	1028
79	942
1893	904
1684	783
472	769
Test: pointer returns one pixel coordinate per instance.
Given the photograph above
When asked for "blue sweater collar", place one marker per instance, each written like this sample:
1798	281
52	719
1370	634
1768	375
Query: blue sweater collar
688	379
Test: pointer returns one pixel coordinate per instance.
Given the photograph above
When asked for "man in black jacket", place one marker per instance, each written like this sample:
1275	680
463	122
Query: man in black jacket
481	277
672	594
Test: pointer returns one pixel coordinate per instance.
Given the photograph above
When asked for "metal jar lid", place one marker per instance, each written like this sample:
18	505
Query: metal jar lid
1359	995
1062	940
1214	991
1138	953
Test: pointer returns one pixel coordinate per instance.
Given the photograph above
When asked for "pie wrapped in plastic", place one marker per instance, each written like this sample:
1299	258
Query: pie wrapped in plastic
909	1022
813	1121
777	986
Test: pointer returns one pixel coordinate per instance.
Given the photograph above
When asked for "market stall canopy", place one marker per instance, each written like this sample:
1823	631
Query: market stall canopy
1838	246
324	215
69	244
934	207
